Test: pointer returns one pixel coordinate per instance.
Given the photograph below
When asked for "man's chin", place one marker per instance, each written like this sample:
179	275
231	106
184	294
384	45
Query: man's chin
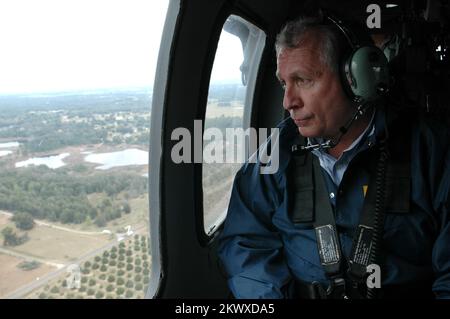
308	132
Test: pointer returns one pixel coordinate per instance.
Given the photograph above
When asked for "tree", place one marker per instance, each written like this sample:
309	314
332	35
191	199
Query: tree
54	290
100	221
138	286
10	237
126	208
120	290
129	284
23	221
28	265
67	216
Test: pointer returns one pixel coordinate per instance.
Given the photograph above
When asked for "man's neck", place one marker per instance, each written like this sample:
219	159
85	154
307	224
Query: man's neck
355	130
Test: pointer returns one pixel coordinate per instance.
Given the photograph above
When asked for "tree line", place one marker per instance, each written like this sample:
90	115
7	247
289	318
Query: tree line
56	195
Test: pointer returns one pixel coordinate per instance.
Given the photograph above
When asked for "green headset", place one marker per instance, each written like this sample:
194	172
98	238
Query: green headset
363	69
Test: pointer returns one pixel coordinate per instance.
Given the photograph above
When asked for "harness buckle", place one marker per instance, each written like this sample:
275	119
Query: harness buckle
337	289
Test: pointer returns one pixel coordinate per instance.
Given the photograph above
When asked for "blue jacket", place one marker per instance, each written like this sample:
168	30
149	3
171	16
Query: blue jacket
263	251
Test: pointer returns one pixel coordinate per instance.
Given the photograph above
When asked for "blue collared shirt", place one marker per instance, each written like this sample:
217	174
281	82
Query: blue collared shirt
336	167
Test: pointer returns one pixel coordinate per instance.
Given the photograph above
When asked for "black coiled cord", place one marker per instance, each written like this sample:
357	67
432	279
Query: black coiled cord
379	210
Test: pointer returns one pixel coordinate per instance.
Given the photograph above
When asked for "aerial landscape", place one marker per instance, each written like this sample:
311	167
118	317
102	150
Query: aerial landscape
74	191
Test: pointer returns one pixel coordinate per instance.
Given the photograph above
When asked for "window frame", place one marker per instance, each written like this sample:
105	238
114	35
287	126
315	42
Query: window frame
155	187
207	237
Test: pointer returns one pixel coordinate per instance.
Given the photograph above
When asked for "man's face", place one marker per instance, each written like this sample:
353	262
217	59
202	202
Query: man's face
313	94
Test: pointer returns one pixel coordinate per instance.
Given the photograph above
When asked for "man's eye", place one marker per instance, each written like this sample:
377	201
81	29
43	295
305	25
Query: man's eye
303	81
283	85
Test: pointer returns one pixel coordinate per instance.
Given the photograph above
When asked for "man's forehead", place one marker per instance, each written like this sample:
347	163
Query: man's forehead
299	60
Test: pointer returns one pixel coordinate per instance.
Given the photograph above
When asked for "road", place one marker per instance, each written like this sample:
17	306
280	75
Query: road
62	268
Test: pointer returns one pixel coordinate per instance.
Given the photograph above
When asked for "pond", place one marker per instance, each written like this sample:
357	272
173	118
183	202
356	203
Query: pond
4	153
126	157
55	161
9	144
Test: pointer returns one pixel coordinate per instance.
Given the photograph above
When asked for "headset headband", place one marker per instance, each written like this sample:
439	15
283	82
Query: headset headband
344	30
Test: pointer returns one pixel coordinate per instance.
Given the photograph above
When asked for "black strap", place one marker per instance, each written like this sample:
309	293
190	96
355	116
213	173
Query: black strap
325	226
363	240
302	203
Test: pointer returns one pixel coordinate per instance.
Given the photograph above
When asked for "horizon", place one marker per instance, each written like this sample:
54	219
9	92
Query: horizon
104	89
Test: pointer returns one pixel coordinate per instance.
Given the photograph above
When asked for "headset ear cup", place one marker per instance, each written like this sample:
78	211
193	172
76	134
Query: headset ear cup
363	69
347	76
367	73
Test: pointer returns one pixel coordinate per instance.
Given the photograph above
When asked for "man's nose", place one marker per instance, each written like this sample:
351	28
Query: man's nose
292	98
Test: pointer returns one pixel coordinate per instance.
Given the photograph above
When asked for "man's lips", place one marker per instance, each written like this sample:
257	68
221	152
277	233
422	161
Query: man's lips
302	121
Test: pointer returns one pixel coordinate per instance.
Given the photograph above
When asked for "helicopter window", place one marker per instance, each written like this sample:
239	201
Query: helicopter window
75	105
227	115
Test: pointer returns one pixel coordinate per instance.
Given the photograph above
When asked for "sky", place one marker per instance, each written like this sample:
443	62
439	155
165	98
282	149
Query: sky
228	59
60	45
